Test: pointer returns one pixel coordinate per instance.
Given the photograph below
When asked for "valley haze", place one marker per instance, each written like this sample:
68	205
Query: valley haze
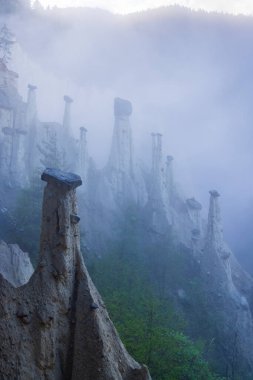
188	75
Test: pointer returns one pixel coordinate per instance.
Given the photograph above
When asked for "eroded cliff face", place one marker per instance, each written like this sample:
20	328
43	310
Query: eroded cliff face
229	294
114	189
121	175
27	143
227	289
56	326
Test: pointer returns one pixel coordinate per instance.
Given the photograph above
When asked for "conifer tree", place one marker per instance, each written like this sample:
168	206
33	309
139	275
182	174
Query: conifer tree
6	42
51	154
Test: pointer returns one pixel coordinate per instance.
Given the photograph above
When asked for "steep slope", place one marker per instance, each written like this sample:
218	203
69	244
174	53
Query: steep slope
229	293
56	326
165	215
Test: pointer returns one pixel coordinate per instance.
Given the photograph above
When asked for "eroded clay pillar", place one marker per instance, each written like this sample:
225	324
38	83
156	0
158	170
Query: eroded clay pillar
31	108
214	235
67	114
121	156
28	147
215	244
157	164
60	230
83	153
169	179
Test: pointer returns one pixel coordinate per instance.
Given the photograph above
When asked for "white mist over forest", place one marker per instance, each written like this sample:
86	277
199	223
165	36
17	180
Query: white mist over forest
187	74
127	6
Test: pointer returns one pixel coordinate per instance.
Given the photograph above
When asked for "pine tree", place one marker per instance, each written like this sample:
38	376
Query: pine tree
52	156
6	42
37	6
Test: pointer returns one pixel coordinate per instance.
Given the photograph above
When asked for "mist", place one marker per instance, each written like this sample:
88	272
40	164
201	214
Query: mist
188	75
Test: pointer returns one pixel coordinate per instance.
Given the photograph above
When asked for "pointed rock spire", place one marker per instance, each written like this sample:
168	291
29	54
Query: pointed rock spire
194	209
121	156
169	179
31	122
214	237
157	165
230	306
83	153
120	170
67	114
156	154
216	251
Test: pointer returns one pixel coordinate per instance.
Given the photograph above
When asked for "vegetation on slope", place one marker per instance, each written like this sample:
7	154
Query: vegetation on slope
149	326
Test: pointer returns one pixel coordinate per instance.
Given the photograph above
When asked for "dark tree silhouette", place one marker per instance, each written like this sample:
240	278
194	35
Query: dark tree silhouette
12	6
6	42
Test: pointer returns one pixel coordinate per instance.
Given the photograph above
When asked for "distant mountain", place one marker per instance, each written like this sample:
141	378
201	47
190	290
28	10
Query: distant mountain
13	6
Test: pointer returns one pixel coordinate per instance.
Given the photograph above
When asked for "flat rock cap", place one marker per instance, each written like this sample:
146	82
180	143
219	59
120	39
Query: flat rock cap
68	99
214	193
193	204
122	107
32	87
58	177
170	159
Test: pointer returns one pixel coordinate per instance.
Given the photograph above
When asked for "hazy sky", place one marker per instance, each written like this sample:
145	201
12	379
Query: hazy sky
126	6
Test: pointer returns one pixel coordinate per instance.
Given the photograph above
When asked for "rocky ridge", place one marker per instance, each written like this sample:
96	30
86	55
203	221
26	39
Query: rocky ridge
57	326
